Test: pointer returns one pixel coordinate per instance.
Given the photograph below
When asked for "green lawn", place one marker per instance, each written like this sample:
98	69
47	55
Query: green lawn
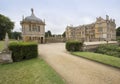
106	59
34	71
2	43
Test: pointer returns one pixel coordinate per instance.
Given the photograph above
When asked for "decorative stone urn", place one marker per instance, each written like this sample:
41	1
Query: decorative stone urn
5	57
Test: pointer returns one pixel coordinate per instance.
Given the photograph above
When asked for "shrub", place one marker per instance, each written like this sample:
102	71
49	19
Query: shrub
22	50
109	49
74	46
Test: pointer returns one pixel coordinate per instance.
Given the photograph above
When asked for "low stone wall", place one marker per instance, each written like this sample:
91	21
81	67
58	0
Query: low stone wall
91	46
54	39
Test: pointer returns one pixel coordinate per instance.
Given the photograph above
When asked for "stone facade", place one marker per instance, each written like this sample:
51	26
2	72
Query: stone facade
102	29
33	29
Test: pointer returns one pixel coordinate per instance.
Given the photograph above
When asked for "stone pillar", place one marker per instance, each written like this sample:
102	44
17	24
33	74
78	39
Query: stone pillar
6	41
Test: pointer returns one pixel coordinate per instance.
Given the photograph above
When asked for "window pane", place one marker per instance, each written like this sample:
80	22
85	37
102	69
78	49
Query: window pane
38	28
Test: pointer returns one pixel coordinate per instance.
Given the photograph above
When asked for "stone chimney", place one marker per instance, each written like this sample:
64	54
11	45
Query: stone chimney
71	25
44	20
111	20
114	20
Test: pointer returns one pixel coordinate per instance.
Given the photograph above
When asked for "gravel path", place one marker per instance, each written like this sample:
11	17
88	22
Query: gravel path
76	70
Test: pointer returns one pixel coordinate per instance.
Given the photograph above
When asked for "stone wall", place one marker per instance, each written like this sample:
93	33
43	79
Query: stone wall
91	46
54	39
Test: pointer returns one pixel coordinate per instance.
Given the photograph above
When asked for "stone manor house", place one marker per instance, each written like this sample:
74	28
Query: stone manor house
33	28
101	30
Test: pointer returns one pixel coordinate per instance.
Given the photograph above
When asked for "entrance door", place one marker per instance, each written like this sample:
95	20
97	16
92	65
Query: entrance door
41	39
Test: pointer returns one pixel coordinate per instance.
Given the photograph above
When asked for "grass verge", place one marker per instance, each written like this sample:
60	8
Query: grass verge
2	43
34	71
105	59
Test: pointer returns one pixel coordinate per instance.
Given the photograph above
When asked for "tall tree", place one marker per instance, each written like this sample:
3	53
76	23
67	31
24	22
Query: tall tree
6	25
64	34
118	31
48	33
16	35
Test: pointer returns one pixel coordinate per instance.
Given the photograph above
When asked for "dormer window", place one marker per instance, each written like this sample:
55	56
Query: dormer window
29	27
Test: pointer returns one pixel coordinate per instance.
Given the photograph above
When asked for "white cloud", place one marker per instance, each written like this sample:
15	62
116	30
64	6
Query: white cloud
60	13
17	27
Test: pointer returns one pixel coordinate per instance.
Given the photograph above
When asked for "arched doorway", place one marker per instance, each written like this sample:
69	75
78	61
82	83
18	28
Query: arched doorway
41	39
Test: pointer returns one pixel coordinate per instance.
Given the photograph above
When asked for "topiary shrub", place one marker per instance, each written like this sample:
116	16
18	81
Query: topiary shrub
74	46
22	51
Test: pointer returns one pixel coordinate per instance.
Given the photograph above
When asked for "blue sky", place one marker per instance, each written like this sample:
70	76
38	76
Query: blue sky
60	13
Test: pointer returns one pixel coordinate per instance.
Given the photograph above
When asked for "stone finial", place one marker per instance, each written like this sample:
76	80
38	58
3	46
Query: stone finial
32	10
114	20
107	17
23	17
44	20
111	20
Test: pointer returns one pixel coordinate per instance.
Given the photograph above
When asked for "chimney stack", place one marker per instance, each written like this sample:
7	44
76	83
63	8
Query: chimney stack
107	17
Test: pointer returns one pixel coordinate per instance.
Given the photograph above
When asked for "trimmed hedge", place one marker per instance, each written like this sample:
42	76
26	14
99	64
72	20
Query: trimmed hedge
74	46
22	51
109	49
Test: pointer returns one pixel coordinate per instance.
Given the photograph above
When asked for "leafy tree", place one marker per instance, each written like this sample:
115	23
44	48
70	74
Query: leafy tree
64	35
6	25
16	35
48	33
118	31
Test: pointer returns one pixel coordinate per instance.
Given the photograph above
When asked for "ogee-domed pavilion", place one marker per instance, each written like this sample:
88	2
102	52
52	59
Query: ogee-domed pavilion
33	28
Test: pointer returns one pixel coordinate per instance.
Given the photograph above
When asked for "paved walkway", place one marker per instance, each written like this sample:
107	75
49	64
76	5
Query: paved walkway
76	70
